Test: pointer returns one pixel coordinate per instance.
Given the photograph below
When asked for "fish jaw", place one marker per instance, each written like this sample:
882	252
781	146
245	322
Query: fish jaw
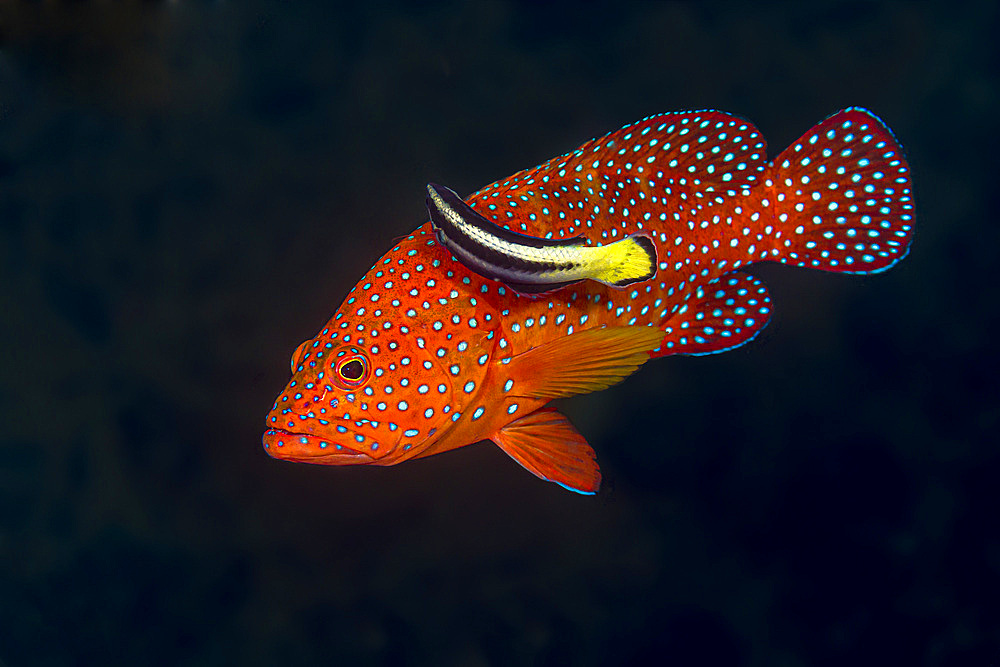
310	448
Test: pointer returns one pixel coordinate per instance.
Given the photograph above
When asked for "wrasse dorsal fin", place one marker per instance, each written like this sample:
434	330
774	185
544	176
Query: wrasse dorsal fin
452	216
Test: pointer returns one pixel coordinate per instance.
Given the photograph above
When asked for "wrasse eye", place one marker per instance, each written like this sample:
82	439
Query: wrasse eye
353	370
298	354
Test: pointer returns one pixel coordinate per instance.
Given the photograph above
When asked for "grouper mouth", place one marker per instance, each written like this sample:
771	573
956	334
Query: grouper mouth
310	448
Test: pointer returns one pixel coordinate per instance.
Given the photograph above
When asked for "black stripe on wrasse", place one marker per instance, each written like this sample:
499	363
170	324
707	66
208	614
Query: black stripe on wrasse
529	264
489	249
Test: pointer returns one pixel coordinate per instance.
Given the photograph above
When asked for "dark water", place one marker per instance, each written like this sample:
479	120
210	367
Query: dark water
187	190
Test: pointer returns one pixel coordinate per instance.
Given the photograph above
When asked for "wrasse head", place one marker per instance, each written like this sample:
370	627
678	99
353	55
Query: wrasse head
378	383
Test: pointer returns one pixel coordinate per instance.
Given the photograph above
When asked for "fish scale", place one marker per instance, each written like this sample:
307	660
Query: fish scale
426	355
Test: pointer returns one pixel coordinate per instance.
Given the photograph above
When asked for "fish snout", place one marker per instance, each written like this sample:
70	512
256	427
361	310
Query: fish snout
310	448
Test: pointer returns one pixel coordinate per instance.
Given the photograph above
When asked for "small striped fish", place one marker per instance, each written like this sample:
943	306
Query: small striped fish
529	264
429	352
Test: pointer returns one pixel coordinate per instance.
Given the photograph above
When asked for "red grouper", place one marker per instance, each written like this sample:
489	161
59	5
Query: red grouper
565	278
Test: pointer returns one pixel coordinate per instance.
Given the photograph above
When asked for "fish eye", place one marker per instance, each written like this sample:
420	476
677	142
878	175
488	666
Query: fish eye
353	370
298	354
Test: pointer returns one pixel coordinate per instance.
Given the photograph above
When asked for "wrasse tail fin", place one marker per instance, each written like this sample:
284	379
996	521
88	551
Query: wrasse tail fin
841	197
547	445
583	362
724	314
631	260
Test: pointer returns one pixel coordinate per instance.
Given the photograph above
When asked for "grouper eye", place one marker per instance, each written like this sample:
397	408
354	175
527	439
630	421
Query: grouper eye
353	370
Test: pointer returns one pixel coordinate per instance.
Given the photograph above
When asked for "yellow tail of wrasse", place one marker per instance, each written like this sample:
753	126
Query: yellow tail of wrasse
528	264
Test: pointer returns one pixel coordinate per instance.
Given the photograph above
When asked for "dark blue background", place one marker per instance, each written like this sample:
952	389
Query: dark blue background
187	190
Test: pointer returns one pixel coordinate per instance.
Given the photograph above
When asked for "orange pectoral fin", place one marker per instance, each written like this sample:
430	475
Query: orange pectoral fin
588	361
546	444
